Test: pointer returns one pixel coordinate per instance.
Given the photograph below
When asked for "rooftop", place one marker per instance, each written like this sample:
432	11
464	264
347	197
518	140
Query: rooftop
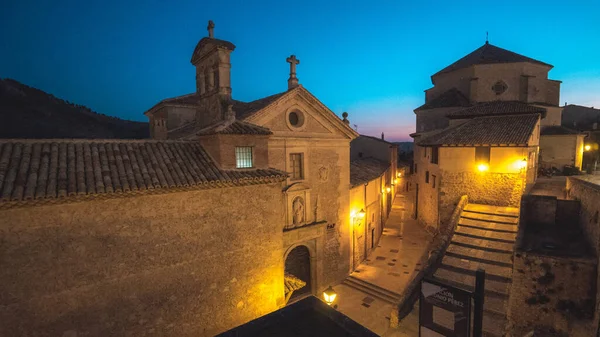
513	130
557	130
497	108
450	98
488	54
309	317
58	169
364	170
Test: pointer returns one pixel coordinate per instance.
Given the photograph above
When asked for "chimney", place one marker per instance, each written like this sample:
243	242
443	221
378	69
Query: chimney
345	118
382	136
293	80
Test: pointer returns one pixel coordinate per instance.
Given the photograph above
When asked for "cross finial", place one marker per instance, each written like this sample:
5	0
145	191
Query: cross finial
211	27
486	38
293	80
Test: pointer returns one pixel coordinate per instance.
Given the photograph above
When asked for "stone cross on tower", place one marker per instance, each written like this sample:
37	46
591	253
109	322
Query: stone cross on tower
211	27
293	80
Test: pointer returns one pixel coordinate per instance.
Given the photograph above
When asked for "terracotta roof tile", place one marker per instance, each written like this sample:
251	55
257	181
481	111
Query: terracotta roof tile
47	169
488	54
366	169
450	98
238	128
497	108
490	130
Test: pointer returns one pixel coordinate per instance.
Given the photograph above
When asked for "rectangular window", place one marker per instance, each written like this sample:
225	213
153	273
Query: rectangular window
433	181
296	164
427	177
482	155
434	154
415	168
243	157
424	152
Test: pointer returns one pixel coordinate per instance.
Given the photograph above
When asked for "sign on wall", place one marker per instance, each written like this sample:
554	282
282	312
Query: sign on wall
444	311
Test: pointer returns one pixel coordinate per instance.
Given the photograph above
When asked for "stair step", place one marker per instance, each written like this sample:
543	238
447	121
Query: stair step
486	236
474	259
487	248
485	244
490	217
467	281
492	270
510	236
367	289
491	226
387	292
470	253
494	210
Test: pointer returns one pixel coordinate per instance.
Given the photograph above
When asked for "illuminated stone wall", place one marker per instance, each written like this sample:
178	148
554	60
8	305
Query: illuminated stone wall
178	264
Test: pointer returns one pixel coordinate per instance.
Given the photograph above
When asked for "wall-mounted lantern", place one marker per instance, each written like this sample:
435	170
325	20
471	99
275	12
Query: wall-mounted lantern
329	295
523	163
362	213
399	174
388	189
587	147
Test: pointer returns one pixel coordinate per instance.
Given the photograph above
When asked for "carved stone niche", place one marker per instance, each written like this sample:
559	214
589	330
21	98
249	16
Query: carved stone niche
298	206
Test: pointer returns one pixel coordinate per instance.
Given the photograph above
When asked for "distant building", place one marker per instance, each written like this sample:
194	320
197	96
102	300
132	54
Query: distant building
478	132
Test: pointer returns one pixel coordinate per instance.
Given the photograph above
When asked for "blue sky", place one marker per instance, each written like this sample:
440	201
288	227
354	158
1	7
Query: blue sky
372	59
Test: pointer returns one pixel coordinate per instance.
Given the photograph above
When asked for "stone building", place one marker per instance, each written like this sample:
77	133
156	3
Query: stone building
232	210
556	147
478	132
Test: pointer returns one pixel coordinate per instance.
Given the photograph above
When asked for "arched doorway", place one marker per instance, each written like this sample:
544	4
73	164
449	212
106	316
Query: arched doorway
297	264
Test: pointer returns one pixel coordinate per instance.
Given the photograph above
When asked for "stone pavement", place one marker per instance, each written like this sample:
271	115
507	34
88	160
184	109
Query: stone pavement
369	293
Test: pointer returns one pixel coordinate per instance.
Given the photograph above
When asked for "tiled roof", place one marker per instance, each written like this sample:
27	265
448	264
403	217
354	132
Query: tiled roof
56	169
488	54
554	130
246	109
242	109
450	98
377	139
490	130
292	283
366	169
497	108
237	128
209	40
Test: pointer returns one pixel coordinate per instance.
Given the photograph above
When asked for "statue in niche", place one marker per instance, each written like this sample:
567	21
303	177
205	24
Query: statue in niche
298	209
323	173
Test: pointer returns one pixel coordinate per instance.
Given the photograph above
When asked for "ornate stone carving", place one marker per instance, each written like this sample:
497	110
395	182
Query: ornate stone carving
298	210
323	173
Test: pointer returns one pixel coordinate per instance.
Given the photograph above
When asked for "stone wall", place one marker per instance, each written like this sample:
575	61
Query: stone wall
559	150
500	189
177	264
222	149
552	292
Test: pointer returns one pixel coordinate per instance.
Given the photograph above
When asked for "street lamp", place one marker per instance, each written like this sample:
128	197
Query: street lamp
587	147
329	295
362	213
388	189
483	167
523	163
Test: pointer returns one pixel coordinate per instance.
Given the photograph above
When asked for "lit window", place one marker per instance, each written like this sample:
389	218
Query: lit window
296	166
243	157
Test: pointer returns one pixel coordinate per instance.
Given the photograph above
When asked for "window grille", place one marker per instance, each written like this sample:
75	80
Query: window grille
243	157
296	163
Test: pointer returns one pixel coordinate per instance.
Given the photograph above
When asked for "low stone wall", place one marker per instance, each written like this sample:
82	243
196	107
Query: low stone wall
552	293
587	192
429	262
500	189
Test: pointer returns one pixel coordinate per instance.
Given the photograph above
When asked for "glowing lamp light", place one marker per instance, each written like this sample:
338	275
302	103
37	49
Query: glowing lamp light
587	147
388	189
396	181
399	174
483	167
523	163
362	213
329	295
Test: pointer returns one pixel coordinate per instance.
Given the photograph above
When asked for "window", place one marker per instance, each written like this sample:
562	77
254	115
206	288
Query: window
424	152
434	154
482	155
243	157
295	119
415	168
433	181
296	162
427	177
499	87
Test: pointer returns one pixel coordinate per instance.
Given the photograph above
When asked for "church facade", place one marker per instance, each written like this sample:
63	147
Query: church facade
231	211
478	133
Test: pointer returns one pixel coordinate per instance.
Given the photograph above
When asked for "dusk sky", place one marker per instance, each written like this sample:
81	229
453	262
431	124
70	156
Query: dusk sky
372	59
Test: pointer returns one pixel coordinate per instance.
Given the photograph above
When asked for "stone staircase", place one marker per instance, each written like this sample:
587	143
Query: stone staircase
484	238
372	290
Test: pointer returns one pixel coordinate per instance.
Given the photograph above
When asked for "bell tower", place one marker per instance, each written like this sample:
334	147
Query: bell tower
211	58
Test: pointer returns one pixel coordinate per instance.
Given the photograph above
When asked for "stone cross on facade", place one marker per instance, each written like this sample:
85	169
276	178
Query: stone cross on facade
211	27
293	80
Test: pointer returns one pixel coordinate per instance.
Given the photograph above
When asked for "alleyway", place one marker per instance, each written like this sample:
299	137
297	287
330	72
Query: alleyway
369	293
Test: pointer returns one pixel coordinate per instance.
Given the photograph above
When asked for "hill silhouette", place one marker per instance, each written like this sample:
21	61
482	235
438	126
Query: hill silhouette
27	112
